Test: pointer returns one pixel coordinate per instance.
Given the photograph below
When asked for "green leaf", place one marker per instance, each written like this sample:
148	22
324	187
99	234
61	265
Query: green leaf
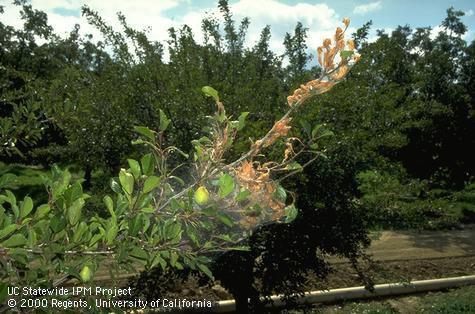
151	183
14	241
344	54
294	166
20	257
191	233
42	211
164	121
146	223
3	292
243	195
26	207
10	197
177	179
206	270
280	193
2	215
31	237
95	239
148	165
145	200
6	179
115	186
210	92
8	230
79	232
225	219
111	234
325	134
291	213
127	181
74	211
158	259
135	168
226	185
306	126
57	223
240	248
221	117
173	258
109	204
148	210
242	120
254	210
189	263
165	254
73	193
181	152
178	266
143	130
316	129
173	231
138	142
225	237
139	253
26	221
209	211
135	225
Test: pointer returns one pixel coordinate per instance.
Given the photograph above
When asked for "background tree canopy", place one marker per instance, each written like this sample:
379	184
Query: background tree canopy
402	123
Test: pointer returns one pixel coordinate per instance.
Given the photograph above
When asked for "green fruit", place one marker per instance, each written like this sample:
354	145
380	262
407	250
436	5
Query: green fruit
85	274
201	196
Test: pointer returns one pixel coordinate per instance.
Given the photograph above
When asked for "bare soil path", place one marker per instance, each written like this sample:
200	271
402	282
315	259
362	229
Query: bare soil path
415	245
413	255
399	245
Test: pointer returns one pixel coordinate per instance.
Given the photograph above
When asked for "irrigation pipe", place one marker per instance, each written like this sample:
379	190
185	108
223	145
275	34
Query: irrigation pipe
391	289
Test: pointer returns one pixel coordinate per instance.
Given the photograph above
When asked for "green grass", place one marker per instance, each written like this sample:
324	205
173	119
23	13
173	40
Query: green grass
25	180
368	308
453	301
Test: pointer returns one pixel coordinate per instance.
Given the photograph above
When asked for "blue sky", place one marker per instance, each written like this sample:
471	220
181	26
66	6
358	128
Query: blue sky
321	17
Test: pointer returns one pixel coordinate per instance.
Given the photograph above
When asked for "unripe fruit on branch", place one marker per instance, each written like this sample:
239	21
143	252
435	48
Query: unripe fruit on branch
201	196
85	274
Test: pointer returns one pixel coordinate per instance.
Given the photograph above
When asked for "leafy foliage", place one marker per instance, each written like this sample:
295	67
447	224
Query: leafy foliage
391	203
385	148
154	218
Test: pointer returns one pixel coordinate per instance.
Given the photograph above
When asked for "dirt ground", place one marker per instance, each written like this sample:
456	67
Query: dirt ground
412	255
393	245
405	271
400	256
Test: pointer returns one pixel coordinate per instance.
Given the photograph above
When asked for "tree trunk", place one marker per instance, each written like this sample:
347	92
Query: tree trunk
87	178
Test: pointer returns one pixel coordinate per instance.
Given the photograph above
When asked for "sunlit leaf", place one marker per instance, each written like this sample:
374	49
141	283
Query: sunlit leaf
26	207
74	211
210	92
226	185
151	183
134	167
291	213
143	130
164	121
242	120
14	241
